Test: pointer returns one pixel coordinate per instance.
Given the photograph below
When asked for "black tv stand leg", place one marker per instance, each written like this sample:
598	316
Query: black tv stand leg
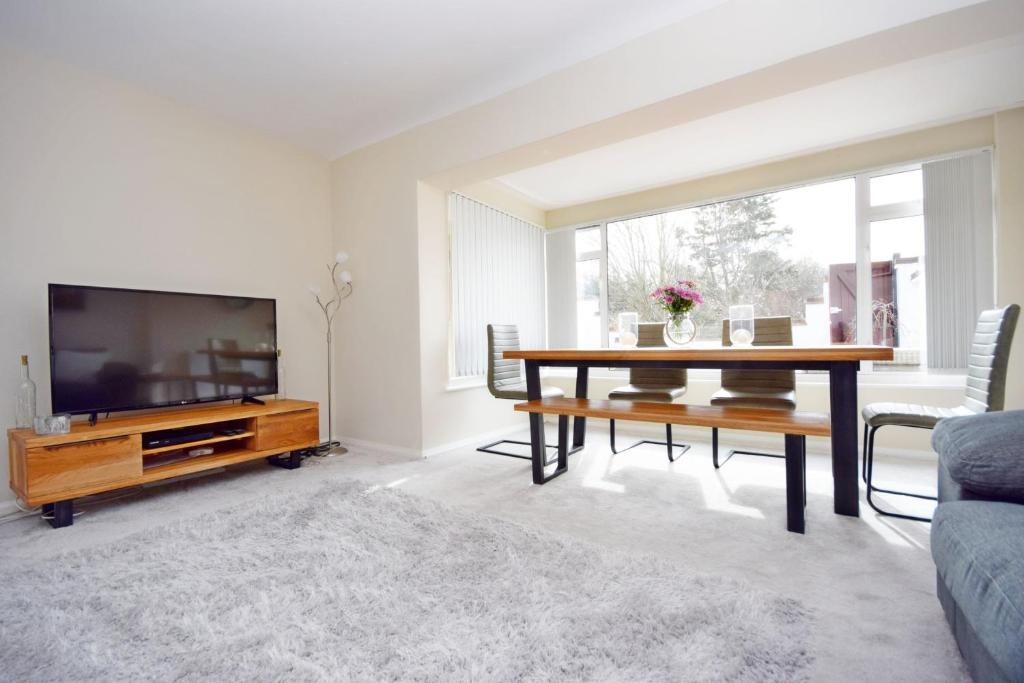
288	461
92	419
253	400
60	514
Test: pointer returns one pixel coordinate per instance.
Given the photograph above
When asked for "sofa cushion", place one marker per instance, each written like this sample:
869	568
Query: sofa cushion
978	547
985	452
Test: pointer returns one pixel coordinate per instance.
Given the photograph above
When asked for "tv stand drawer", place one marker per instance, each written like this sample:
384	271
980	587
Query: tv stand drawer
82	464
298	429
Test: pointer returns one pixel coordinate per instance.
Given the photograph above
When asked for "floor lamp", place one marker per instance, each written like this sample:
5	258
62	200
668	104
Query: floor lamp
341	280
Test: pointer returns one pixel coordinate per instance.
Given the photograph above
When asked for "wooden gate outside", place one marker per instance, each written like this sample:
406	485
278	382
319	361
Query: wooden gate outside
842	301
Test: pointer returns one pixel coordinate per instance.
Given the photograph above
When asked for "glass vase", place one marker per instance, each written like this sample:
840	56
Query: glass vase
680	330
741	325
629	329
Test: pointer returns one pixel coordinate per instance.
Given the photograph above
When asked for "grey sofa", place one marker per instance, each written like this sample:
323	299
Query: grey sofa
977	540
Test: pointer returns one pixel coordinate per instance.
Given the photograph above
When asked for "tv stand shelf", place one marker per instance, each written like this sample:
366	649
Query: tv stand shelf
53	470
195	444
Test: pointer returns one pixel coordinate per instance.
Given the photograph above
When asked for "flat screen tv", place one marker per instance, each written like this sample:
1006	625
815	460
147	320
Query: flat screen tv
127	349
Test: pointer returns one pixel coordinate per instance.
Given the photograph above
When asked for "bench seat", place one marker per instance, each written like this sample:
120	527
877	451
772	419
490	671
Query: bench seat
723	417
796	426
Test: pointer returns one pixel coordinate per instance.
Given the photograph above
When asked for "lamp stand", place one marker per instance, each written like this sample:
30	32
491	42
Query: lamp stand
330	309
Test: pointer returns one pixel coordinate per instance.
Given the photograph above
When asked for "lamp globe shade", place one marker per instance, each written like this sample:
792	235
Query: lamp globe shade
341	256
345	277
313	289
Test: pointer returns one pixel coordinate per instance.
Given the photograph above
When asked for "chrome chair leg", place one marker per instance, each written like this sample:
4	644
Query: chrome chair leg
668	443
869	446
490	448
864	457
734	451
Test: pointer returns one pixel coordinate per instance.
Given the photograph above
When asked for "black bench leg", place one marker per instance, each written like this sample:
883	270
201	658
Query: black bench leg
714	447
563	442
579	424
59	514
796	491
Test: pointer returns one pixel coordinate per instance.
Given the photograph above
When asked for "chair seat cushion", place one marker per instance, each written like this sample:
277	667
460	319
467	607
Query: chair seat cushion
782	400
984	453
978	548
908	414
647	392
517	392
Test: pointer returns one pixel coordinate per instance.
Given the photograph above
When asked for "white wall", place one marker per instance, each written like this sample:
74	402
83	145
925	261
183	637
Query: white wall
1009	241
104	184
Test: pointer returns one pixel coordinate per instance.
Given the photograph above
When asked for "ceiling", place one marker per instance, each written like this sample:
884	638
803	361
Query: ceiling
331	75
945	87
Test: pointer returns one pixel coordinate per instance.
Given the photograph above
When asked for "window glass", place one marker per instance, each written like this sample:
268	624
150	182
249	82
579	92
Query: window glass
776	251
588	240
896	187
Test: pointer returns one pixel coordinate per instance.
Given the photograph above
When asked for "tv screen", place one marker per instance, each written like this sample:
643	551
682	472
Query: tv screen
124	349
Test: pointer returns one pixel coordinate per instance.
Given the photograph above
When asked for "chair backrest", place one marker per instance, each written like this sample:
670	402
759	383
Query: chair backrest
652	335
775	331
502	373
990	353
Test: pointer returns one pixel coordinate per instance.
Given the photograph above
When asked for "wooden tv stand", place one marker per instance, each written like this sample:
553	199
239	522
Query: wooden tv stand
54	470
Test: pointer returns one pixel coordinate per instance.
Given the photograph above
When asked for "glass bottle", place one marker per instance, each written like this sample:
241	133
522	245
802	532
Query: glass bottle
26	409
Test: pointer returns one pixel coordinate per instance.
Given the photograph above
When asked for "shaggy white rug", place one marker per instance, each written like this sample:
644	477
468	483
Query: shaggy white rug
351	583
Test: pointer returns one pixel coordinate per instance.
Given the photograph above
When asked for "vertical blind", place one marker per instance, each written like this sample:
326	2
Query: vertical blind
497	276
958	254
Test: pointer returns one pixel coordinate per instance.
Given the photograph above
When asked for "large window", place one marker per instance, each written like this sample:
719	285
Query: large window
771	250
844	259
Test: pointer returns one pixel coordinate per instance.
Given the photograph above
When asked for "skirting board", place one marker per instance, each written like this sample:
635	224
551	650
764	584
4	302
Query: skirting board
348	442
474	440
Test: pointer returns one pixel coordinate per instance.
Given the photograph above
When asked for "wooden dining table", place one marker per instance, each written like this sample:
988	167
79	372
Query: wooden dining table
840	361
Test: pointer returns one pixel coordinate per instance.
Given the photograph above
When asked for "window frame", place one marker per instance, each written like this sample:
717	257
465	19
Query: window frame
601	256
865	215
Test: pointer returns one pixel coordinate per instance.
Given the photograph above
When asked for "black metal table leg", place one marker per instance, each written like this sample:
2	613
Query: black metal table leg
579	424
843	396
795	482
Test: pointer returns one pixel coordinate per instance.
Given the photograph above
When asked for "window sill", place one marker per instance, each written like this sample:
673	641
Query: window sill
463	383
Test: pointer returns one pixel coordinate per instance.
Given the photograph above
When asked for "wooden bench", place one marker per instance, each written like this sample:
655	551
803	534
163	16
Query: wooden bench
795	426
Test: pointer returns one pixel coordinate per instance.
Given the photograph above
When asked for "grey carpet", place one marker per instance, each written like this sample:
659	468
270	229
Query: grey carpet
351	583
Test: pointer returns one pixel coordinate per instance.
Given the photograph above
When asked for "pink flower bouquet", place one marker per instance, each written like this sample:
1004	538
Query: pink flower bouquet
678	298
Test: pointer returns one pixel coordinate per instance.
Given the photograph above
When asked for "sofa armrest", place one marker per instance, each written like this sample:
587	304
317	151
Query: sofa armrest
983	454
